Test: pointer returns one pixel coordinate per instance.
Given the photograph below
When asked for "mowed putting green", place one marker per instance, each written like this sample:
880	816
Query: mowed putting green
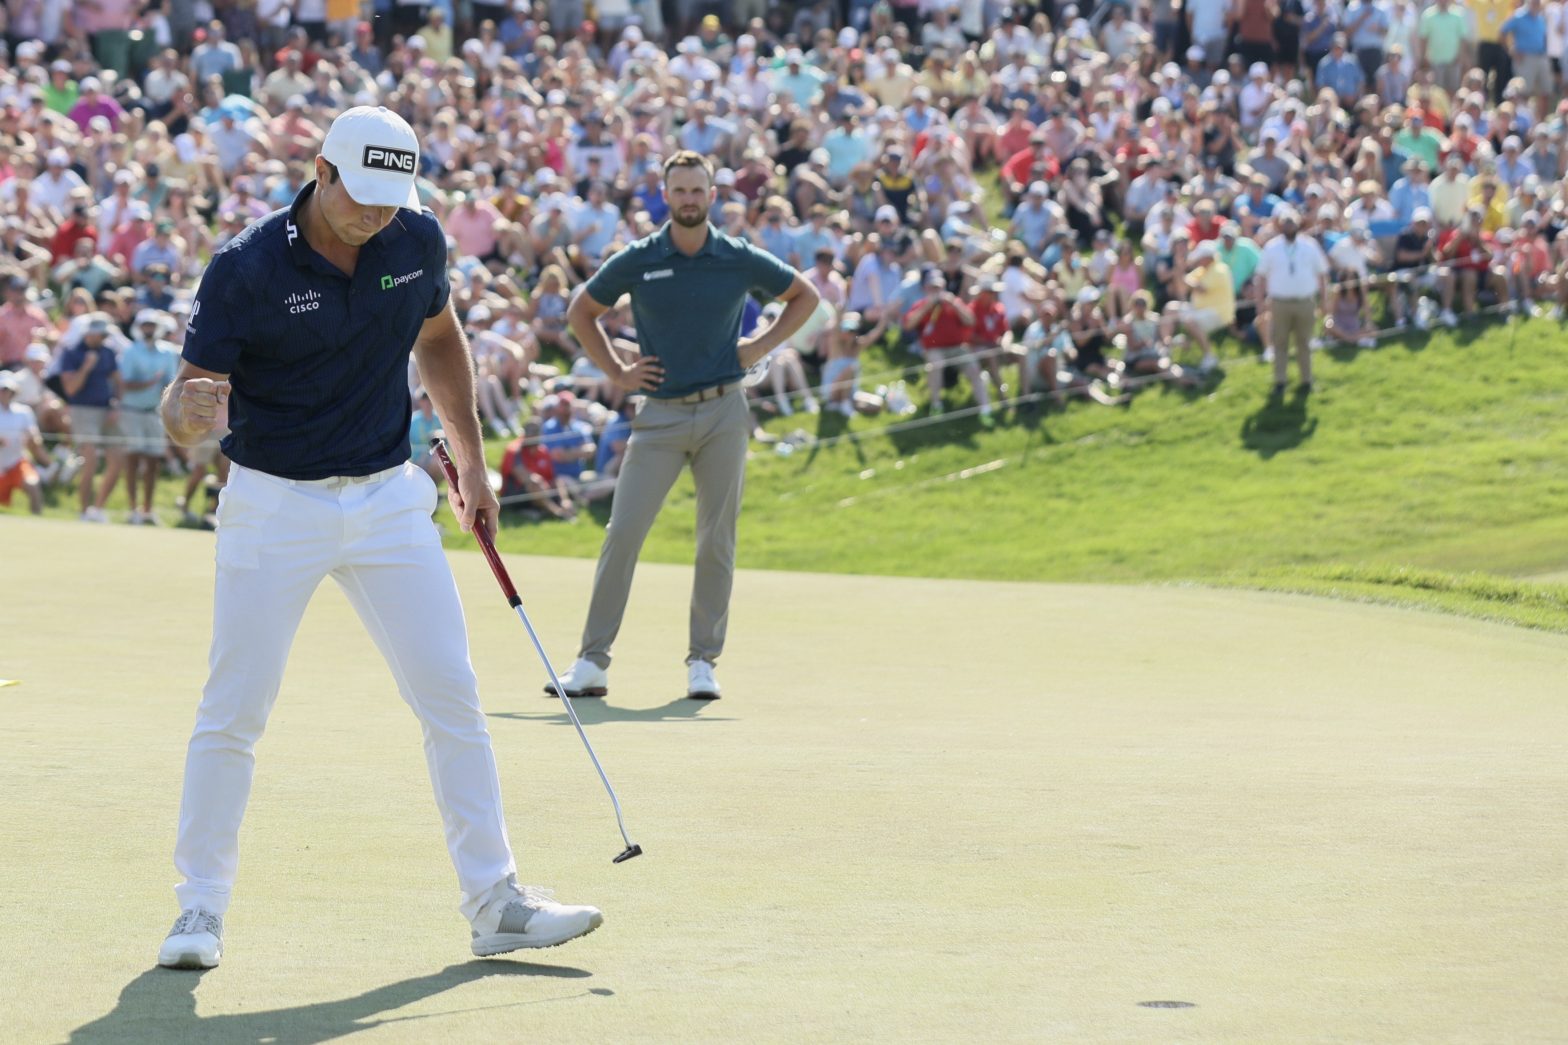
924	811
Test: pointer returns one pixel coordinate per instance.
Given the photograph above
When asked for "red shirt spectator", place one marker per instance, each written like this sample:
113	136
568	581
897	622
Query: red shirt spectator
990	316
1028	165
1204	227
1013	138
943	320
71	231
1464	248
535	458
127	238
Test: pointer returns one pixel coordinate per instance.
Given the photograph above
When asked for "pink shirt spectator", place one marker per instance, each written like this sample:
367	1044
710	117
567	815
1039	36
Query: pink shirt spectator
473	225
100	15
18	322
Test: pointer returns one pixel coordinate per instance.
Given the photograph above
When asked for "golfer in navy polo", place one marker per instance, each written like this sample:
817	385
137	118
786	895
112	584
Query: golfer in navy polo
688	284
299	341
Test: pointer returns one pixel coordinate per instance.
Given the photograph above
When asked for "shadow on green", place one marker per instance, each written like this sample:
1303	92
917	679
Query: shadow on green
159	1005
593	710
1280	424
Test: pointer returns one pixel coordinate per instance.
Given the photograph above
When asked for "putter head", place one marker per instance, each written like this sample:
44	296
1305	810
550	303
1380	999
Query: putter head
630	851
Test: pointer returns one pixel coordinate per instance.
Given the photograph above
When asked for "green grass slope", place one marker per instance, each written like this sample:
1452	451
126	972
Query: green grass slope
1440	453
1432	455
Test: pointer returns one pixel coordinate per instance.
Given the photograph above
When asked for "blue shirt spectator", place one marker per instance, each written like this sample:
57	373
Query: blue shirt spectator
98	389
846	149
1343	74
144	360
616	432
569	434
1406	196
421	429
651	199
1373	26
777	238
1527	30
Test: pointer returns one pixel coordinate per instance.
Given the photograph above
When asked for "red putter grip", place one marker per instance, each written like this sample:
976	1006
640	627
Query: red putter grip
486	543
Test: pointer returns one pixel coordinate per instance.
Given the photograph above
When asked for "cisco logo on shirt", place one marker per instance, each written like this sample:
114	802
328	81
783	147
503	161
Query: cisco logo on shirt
309	301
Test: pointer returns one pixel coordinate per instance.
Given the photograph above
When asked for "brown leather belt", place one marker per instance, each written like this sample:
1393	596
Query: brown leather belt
702	395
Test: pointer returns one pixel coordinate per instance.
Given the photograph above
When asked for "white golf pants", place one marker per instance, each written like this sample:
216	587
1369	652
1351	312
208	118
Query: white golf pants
277	538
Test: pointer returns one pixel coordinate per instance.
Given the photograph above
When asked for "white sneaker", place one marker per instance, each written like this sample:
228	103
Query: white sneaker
846	407
1448	319
1208	363
583	679
1268	355
811	405
94	515
136	518
531	918
700	683
1367	342
195	942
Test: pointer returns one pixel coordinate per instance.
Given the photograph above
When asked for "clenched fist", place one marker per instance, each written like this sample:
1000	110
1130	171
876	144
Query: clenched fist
204	404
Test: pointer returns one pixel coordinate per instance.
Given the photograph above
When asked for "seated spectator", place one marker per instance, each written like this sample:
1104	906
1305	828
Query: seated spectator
569	440
528	480
1412	271
424	427
1465	253
1210	306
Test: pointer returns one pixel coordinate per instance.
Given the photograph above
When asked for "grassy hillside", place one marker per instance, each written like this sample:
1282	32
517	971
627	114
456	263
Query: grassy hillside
1443	452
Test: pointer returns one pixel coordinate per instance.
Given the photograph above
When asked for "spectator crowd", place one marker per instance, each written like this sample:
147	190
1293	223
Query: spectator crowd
1048	199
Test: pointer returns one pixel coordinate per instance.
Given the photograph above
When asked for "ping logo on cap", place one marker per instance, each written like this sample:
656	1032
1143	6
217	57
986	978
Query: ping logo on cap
382	158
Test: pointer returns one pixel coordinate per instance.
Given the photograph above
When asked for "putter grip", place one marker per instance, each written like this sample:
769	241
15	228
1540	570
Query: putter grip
486	544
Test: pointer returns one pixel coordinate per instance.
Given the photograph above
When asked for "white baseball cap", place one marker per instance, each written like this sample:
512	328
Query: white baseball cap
377	154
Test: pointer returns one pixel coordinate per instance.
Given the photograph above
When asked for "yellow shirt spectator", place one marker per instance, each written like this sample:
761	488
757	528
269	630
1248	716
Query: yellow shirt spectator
1450	196
1071	274
1489	18
1213	290
1494	211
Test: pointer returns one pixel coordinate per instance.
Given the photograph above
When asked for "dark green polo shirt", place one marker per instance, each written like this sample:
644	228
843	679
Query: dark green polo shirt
687	309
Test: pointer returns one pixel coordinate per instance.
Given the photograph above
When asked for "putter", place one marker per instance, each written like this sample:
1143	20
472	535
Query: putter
487	545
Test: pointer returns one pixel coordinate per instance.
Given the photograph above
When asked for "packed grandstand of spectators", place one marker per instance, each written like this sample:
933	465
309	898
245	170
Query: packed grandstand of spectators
1056	200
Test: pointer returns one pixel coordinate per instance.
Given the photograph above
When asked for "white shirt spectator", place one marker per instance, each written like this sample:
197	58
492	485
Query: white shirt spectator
53	188
1208	19
16	424
1348	255
1292	269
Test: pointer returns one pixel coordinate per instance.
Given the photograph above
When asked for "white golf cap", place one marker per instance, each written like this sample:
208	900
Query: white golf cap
377	154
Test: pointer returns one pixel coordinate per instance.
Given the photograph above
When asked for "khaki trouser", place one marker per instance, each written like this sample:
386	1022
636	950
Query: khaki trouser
714	437
1293	318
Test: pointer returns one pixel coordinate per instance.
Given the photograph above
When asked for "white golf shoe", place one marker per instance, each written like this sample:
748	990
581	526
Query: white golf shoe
530	918
582	679
195	942
700	683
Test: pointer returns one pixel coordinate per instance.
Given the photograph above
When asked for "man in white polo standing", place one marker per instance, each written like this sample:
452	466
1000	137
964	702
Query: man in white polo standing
1293	275
299	341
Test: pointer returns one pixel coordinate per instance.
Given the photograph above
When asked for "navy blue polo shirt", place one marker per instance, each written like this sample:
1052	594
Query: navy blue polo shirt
318	361
687	310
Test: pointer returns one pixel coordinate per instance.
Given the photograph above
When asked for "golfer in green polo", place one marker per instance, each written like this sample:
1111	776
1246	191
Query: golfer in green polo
688	283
